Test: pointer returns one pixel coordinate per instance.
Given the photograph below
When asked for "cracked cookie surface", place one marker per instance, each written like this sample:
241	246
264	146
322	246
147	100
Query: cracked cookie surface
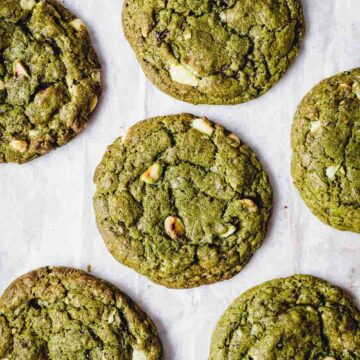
298	318
181	200
326	150
49	78
62	313
214	51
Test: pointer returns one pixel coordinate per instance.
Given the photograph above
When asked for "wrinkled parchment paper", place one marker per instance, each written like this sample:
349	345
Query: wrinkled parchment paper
46	215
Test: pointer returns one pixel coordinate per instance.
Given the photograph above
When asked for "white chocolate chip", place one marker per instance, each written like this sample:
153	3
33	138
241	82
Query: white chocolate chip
329	358
19	145
187	35
315	126
331	171
27	4
2	85
230	229
152	174
182	75
174	227
223	17
93	103
33	133
139	355
221	229
19	69
17	311
227	16
74	90
43	303
69	81
96	76
111	317
203	125
249	204
77	24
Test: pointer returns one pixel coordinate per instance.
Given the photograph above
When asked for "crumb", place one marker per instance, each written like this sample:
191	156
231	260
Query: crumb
286	207
88	268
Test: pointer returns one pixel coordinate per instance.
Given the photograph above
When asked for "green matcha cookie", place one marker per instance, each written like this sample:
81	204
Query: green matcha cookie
49	78
62	313
181	200
326	150
214	51
297	318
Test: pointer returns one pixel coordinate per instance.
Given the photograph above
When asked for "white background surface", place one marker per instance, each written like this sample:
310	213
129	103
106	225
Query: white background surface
46	215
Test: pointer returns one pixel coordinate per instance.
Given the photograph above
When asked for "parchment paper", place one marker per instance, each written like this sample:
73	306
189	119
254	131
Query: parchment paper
46	215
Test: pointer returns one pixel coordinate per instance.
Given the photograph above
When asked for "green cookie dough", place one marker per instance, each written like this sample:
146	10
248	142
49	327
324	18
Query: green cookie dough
182	201
66	314
214	51
326	150
49	78
297	318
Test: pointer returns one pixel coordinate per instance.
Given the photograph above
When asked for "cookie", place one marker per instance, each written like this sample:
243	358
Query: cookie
63	313
300	317
49	78
326	150
182	201
214	52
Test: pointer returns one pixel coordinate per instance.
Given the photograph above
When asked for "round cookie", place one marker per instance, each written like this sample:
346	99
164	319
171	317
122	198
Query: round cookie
182	201
49	78
214	51
63	313
326	150
300	317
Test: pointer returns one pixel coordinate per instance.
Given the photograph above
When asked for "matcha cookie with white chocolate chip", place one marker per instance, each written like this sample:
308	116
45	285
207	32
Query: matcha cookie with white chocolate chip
214	51
326	150
182	201
49	78
62	313
296	318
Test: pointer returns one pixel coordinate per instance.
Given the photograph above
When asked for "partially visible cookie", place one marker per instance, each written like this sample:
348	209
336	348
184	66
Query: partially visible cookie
49	78
182	200
214	52
298	318
326	150
63	313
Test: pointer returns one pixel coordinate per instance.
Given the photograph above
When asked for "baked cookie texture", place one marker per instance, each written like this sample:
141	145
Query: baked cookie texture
300	317
182	201
326	150
49	78
62	313
214	51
